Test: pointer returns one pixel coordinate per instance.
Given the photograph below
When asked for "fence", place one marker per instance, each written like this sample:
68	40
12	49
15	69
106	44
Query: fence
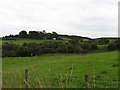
45	80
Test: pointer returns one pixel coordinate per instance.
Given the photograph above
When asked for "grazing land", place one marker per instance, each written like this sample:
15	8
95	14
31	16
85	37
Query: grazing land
62	70
50	60
21	42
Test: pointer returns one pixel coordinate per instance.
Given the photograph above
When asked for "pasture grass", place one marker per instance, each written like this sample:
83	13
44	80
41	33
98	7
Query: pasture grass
20	42
62	70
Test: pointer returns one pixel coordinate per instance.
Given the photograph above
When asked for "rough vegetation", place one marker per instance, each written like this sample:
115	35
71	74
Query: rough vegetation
53	43
59	61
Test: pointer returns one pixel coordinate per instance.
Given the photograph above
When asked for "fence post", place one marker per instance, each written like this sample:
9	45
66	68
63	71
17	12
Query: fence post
26	77
87	82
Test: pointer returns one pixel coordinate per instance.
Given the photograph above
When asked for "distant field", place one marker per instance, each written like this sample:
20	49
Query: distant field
20	42
62	70
101	46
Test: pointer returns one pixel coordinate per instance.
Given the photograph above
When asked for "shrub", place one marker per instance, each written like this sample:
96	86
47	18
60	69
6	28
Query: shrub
9	50
10	53
85	46
24	51
74	41
114	46
77	49
9	46
94	47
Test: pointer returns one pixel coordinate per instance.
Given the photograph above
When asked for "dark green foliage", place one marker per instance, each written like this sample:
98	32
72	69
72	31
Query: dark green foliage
11	53
10	37
73	44
9	50
32	49
62	48
41	35
115	65
9	46
74	41
85	46
24	51
55	35
103	41
49	36
33	35
54	47
77	49
114	45
23	34
94	47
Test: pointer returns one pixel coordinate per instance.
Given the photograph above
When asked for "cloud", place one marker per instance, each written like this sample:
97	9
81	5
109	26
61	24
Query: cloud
92	18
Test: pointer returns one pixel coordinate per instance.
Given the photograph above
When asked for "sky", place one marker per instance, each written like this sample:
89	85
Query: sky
88	18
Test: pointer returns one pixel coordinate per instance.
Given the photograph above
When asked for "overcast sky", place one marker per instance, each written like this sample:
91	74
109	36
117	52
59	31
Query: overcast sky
91	18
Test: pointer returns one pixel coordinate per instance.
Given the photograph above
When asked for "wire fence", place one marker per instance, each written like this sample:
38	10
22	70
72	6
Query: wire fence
45	80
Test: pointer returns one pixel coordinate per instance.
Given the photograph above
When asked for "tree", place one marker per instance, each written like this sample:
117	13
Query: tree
44	31
24	51
55	35
103	41
23	34
9	50
33	34
77	49
49	36
74	41
94	47
114	45
41	35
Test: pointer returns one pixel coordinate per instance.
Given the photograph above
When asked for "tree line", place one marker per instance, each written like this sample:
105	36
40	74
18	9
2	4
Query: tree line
74	45
40	35
35	49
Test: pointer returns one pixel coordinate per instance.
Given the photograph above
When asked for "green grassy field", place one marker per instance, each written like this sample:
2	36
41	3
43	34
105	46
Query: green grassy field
20	42
62	70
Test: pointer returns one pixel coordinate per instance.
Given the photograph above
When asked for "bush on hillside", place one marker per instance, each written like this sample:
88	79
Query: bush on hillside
24	51
94	47
9	50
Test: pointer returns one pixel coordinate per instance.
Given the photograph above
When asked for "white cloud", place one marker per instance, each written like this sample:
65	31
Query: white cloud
92	18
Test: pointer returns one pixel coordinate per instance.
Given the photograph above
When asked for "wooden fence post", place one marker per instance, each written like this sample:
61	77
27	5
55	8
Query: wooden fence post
26	77
87	82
